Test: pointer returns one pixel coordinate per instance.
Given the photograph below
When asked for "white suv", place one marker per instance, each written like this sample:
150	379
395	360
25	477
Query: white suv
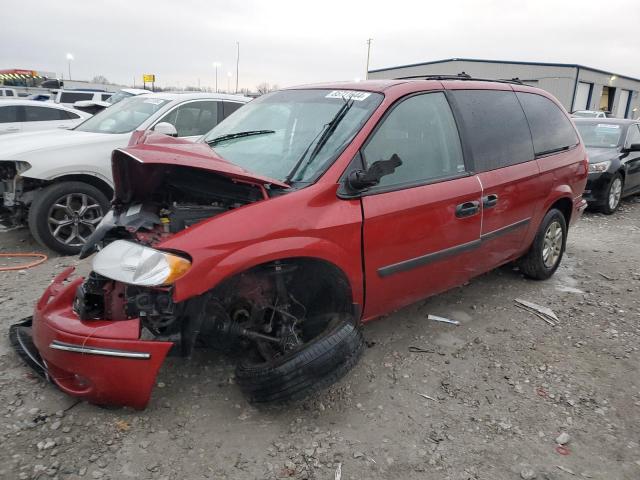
31	115
69	97
59	182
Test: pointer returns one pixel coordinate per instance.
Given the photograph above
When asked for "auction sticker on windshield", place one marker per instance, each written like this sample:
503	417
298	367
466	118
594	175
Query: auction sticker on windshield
348	95
154	101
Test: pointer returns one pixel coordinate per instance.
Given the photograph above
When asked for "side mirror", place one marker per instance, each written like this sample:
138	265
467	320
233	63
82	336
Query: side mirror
634	147
166	128
362	179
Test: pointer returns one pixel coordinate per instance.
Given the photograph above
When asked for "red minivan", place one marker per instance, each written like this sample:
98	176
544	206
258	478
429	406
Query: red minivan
306	213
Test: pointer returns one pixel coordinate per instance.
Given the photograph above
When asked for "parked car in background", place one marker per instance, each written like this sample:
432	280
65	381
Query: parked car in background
589	114
95	106
613	146
70	97
308	211
29	116
59	182
6	92
41	97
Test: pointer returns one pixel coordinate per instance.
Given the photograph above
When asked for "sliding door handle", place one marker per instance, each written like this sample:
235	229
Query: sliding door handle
490	200
467	209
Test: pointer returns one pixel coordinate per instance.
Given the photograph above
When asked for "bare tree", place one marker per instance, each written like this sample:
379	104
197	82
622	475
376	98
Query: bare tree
100	79
265	87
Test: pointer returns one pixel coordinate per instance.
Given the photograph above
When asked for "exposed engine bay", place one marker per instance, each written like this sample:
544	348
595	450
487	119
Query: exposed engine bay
182	198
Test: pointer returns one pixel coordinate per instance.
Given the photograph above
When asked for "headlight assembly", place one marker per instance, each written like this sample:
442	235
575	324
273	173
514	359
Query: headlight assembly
599	167
132	263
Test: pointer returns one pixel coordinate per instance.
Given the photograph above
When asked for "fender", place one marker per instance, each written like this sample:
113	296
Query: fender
207	276
88	173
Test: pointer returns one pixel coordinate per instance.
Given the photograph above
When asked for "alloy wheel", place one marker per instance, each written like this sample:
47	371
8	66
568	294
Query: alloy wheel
552	246
615	192
73	217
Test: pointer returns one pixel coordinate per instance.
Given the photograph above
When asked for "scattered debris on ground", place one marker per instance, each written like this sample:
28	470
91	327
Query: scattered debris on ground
489	399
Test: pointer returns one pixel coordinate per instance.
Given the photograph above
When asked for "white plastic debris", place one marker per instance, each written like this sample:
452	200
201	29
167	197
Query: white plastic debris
545	313
435	318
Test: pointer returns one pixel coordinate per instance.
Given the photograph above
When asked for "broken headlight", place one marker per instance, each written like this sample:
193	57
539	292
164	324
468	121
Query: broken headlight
135	264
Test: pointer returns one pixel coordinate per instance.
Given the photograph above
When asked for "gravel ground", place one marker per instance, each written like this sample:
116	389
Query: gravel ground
489	399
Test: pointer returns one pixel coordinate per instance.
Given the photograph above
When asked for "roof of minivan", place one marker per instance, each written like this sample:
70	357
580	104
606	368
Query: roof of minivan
380	86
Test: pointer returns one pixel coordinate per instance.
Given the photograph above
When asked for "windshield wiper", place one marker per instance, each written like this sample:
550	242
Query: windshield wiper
322	138
230	136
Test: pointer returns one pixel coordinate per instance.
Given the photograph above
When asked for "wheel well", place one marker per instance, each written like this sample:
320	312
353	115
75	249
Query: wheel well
319	285
565	205
101	185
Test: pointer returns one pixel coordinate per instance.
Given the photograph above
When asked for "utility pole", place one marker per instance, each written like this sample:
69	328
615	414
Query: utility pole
69	58
237	64
216	65
366	73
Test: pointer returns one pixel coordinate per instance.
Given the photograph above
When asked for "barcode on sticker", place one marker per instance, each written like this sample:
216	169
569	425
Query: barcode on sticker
348	95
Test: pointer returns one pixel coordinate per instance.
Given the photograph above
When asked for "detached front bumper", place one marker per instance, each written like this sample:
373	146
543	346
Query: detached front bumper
103	362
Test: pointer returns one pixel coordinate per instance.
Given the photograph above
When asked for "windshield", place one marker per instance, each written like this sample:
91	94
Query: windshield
306	129
603	135
116	97
123	117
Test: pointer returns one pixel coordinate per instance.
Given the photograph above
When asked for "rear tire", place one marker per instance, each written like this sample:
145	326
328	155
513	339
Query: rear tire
68	207
547	249
614	195
314	366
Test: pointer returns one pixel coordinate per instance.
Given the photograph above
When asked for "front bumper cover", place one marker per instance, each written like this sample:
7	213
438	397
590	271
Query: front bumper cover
103	362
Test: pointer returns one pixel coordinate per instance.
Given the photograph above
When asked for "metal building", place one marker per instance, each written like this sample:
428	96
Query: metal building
577	87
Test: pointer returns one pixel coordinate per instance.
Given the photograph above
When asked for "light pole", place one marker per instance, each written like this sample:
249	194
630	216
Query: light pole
216	65
366	73
69	58
228	82
237	64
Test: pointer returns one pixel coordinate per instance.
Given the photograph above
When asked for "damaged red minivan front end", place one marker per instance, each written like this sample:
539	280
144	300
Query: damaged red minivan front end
103	339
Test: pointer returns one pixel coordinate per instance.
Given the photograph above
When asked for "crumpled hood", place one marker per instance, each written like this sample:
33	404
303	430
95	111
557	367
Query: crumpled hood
19	146
597	155
157	149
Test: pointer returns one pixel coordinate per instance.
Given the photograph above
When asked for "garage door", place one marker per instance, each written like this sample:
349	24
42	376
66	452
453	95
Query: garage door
623	101
583	92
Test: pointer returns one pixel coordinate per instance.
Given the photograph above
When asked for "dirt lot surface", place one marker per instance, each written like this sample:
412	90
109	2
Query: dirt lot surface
484	400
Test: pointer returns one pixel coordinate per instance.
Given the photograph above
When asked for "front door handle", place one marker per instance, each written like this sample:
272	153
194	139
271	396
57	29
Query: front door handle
467	209
489	201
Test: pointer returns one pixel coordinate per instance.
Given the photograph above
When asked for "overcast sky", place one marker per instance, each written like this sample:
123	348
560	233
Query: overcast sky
293	42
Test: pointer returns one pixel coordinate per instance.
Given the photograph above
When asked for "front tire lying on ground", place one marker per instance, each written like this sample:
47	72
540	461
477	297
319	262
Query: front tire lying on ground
547	249
313	366
64	214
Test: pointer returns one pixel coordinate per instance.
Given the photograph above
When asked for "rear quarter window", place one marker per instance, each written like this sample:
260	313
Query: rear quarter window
229	108
551	130
494	127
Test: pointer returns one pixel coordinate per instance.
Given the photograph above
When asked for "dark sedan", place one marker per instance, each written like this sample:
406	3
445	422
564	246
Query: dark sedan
613	146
